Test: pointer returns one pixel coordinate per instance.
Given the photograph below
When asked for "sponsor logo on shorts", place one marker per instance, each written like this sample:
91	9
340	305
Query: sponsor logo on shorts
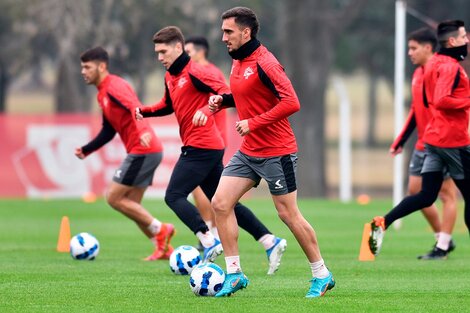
118	173
278	184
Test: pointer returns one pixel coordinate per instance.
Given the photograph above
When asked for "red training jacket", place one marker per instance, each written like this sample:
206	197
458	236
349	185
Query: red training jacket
187	91
264	95
418	116
447	92
118	101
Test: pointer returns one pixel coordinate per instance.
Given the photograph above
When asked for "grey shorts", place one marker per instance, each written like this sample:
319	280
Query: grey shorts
137	170
457	161
416	164
279	172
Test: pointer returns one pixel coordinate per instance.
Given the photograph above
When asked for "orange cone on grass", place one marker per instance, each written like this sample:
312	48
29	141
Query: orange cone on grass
365	254
63	244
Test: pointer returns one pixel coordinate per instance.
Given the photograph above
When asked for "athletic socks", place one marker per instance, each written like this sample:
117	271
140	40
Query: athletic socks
443	241
207	239
155	226
267	241
319	269
232	264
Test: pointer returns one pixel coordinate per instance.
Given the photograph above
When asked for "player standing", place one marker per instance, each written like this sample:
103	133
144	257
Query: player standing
264	98
421	45
144	150
447	141
188	86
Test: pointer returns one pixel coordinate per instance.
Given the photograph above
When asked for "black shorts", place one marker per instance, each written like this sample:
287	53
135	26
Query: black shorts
457	161
137	170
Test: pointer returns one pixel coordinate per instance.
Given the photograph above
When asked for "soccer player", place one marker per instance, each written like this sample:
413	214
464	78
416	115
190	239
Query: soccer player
446	138
144	150
188	87
264	98
421	45
197	48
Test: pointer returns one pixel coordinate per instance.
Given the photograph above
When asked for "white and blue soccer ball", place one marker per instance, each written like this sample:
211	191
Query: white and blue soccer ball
207	279
184	259
84	246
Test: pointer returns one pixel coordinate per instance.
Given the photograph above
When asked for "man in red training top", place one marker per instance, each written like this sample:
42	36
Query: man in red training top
421	45
264	98
197	48
188	86
118	102
446	138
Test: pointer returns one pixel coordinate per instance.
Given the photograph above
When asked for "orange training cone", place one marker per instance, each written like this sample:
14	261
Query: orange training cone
63	244
365	254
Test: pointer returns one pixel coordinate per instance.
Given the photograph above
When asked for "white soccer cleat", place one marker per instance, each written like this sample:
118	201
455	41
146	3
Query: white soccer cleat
275	254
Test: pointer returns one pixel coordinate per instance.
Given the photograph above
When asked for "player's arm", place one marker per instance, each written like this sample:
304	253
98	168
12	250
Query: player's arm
211	84
274	78
407	130
105	135
161	108
446	83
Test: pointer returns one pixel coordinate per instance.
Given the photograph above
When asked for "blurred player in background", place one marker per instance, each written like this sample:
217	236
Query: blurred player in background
446	138
197	48
421	46
264	98
118	101
188	86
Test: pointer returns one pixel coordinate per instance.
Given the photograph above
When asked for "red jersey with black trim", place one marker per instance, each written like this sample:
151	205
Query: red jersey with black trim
418	116
447	91
118	101
264	95
187	91
221	116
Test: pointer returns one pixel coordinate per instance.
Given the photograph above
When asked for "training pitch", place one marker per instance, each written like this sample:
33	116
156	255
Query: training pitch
34	277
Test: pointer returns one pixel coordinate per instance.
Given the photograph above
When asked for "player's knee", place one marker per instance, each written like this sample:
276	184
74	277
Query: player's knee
113	200
219	204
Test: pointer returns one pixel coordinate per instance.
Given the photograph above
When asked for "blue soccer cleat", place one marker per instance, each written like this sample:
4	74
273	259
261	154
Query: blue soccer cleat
211	253
320	286
233	283
275	254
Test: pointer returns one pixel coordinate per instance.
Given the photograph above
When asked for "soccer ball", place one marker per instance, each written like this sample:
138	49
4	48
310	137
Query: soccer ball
84	247
183	259
207	279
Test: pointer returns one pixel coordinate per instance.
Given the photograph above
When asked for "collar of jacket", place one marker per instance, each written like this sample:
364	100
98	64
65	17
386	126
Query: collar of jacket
179	64
459	53
245	50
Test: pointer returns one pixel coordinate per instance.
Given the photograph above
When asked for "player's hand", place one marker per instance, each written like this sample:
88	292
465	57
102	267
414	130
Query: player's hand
145	139
215	102
396	151
138	114
199	118
242	127
79	153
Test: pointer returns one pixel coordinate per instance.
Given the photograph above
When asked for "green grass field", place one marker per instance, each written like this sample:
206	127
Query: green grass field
36	278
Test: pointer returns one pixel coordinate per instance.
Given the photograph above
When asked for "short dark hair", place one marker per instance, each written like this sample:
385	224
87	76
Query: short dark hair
169	34
424	35
95	54
447	29
243	17
200	43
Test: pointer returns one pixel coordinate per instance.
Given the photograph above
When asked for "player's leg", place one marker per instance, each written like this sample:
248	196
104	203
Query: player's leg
190	171
203	205
430	213
229	191
448	196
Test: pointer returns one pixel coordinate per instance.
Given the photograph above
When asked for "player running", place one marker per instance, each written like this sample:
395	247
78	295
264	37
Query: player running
188	86
264	98
144	150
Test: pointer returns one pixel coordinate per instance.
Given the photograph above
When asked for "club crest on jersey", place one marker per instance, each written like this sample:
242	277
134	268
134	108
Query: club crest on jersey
182	81
248	72
105	102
